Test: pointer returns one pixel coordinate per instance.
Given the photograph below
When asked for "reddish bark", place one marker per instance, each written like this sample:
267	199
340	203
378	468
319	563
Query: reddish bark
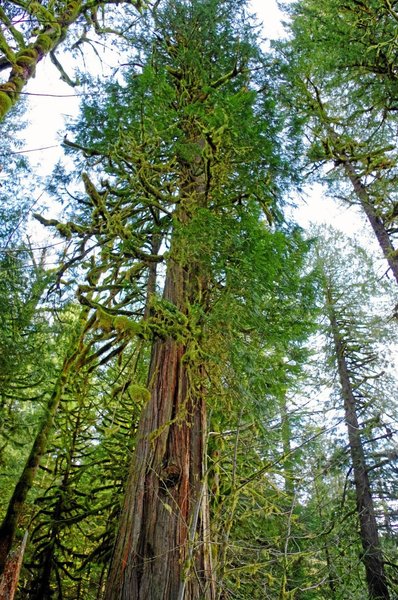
10	577
162	549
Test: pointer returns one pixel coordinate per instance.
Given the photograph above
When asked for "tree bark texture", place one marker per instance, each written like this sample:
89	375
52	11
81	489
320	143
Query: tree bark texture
372	554
162	550
10	577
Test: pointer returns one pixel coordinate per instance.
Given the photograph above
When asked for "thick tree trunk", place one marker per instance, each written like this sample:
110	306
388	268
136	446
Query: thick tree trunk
162	550
372	554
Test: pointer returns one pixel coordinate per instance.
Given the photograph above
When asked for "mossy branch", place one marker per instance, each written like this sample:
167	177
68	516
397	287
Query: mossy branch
86	151
64	229
17	35
6	49
227	77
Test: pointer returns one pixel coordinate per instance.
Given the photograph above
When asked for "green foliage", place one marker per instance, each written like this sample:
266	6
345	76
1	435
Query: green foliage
340	81
181	167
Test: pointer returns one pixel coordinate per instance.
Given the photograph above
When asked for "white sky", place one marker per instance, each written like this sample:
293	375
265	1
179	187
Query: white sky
269	14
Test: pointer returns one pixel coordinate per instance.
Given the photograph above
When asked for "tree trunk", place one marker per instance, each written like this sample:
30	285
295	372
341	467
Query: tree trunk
162	550
10	577
286	435
375	221
25	482
372	555
41	588
379	229
339	153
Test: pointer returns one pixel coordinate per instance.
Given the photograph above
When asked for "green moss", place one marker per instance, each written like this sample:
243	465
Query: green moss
41	12
44	43
5	103
19	83
117	228
27	60
134	271
104	321
72	9
139	392
125	325
167	321
193	355
27	53
56	31
64	230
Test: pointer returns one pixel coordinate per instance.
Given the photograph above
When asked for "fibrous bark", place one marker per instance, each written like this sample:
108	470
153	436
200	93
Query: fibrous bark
10	577
162	551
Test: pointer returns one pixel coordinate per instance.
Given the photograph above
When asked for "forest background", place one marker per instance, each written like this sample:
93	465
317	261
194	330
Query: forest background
198	397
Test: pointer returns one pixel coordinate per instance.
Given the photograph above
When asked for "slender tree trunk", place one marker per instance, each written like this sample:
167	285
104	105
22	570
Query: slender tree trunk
41	588
26	479
331	575
25	482
162	549
372	554
375	221
286	435
340	154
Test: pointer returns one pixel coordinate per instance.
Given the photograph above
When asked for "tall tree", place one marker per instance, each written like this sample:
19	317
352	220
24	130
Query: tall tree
357	367
194	163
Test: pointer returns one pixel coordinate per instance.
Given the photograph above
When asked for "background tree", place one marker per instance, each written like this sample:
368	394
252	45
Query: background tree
355	333
26	338
345	103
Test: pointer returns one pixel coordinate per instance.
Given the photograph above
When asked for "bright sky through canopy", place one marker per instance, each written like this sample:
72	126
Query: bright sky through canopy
47	114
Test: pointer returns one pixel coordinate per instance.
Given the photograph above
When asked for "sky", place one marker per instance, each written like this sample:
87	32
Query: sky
47	114
269	14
